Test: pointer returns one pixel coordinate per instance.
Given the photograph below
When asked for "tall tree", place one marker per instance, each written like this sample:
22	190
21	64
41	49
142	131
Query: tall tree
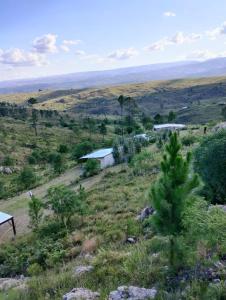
170	195
34	118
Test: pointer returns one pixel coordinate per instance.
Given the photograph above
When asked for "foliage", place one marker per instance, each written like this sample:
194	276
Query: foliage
91	167
170	195
63	148
188	140
65	203
82	149
26	178
8	161
210	163
142	163
35	211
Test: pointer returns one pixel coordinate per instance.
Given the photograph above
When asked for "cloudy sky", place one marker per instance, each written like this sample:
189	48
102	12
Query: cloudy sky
46	37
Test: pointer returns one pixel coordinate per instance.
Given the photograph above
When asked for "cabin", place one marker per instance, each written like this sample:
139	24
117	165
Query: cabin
104	156
169	127
5	218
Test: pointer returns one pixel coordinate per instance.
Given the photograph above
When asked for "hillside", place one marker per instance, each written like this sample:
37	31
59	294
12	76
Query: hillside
161	71
192	99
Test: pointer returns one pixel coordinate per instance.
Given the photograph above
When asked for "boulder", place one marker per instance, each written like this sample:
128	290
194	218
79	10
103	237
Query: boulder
9	283
8	171
80	270
132	293
81	294
145	213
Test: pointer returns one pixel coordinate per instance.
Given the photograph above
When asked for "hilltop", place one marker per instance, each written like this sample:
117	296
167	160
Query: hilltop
194	100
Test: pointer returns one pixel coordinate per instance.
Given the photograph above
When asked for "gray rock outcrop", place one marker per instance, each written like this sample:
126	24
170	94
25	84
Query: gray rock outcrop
132	293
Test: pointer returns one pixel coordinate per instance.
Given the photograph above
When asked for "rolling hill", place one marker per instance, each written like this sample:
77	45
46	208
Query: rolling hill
138	74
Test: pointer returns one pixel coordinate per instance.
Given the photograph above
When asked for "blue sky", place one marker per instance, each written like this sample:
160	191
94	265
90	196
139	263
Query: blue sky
46	37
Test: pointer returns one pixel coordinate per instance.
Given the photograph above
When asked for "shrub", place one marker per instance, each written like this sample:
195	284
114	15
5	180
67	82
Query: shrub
65	203
8	161
210	163
188	140
91	167
82	149
26	178
63	148
35	211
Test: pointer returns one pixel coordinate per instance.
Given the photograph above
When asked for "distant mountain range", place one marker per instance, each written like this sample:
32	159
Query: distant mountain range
164	71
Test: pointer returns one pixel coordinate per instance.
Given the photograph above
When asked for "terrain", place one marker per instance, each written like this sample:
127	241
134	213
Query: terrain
163	71
194	100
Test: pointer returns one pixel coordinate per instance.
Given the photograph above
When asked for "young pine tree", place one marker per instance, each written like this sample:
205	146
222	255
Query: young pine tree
170	195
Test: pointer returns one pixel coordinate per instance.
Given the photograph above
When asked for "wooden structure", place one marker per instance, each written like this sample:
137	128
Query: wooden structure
5	218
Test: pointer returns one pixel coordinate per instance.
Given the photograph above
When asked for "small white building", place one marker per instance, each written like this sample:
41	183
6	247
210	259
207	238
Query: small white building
169	127
104	156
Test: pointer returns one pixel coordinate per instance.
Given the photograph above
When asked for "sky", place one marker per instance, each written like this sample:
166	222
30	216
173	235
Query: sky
47	37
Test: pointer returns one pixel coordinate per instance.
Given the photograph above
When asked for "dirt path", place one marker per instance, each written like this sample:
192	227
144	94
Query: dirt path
18	205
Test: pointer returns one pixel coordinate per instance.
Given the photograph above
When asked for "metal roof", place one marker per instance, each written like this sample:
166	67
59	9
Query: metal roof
4	217
99	153
169	126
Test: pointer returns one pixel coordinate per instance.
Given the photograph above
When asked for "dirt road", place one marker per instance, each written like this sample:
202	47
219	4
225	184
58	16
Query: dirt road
18	205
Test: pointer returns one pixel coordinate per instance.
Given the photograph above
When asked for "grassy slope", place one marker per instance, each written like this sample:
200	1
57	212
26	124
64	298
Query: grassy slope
152	97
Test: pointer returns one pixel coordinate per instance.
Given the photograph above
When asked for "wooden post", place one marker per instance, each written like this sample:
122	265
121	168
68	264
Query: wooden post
14	227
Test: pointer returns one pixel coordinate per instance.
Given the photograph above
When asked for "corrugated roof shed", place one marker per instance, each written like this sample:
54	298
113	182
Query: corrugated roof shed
98	154
162	126
4	217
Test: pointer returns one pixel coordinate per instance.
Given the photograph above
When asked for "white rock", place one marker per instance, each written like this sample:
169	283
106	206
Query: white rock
82	269
132	293
81	294
9	283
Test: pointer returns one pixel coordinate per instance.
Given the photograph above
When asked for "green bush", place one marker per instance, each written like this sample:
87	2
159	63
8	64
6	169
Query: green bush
82	149
188	140
63	148
91	167
8	161
26	179
210	163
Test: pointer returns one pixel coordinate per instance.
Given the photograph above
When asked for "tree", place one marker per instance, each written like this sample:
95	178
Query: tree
82	149
26	178
65	203
171	193
210	163
32	101
58	163
35	211
158	119
103	129
171	116
91	167
223	112
34	118
122	100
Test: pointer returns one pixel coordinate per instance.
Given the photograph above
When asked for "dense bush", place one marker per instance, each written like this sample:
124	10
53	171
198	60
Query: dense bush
82	149
210	163
26	178
91	167
188	140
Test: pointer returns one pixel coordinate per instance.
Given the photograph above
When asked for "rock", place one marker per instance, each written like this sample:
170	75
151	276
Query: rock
80	270
131	240
8	171
132	293
81	294
9	283
216	280
145	213
220	126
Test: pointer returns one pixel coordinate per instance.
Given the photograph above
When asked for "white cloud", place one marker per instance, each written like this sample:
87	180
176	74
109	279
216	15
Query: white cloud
18	58
178	39
71	42
45	43
80	53
214	33
169	14
122	54
66	44
205	54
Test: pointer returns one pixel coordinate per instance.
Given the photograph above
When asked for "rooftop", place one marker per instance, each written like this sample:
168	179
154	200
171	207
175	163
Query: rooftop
4	217
169	126
99	153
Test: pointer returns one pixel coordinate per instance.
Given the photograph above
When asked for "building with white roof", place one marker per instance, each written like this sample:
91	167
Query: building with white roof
169	127
104	156
5	218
